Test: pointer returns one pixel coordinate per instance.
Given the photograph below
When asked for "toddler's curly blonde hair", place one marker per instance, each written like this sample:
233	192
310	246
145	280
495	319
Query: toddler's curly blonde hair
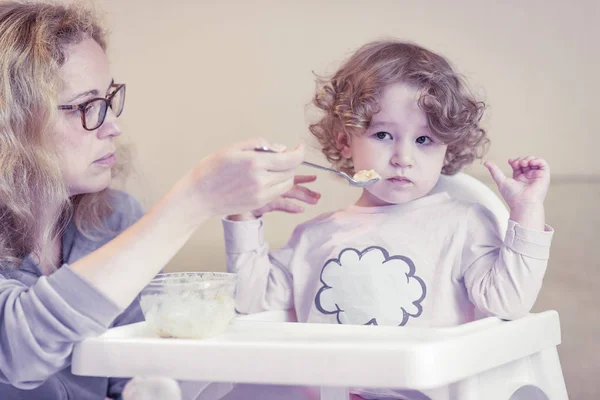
350	99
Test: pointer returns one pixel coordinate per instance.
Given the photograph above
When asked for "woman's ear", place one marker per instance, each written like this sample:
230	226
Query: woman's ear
342	141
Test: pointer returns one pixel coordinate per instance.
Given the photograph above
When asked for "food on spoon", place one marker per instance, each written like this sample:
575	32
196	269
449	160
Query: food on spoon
365	175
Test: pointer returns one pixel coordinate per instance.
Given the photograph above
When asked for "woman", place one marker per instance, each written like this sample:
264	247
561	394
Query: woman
74	254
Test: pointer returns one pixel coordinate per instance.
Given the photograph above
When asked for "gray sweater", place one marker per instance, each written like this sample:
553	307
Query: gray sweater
42	317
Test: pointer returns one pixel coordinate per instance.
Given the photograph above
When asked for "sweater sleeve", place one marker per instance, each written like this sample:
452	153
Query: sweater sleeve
264	279
503	277
41	324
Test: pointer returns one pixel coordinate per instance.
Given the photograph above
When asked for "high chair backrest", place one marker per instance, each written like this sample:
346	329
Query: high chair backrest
467	188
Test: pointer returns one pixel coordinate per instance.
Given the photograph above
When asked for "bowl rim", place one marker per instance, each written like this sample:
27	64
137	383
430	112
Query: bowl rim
219	277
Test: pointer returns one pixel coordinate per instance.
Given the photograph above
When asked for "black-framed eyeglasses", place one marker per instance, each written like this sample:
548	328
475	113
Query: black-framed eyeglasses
93	111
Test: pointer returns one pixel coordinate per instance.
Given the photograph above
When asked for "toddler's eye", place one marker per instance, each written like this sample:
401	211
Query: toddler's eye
382	135
424	140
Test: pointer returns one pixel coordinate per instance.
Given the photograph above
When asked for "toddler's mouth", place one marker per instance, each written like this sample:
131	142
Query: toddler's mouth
400	179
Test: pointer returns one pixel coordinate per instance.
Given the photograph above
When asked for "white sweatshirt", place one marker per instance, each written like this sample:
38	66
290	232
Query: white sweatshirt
432	262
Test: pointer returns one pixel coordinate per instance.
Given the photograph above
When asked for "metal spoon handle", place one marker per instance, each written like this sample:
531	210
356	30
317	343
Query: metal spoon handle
264	149
309	164
317	166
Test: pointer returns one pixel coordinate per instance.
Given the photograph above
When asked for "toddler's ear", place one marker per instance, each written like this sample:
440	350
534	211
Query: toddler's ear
342	141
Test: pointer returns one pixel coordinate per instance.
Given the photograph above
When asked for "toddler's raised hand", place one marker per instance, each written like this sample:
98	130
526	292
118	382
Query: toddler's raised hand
529	182
526	190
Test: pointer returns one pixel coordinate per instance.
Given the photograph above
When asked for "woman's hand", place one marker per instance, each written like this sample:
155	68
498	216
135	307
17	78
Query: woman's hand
230	181
284	202
238	179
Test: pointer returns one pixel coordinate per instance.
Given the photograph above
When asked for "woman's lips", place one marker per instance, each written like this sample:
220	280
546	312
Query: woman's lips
107	160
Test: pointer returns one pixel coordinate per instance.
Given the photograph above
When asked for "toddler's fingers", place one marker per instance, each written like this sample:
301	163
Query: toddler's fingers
535	173
540	163
514	162
496	172
525	161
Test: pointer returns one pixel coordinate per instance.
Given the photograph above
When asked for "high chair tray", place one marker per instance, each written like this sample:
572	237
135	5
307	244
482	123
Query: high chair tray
260	349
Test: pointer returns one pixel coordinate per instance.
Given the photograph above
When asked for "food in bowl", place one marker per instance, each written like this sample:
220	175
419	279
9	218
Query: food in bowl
189	304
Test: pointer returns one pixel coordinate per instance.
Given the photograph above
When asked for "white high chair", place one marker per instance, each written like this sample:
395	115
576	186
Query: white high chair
488	359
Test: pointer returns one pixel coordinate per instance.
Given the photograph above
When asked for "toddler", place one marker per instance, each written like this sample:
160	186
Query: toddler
399	256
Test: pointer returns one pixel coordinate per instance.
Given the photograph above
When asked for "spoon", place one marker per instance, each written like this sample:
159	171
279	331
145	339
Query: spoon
351	180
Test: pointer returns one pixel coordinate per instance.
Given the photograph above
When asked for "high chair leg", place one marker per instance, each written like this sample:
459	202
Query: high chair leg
550	375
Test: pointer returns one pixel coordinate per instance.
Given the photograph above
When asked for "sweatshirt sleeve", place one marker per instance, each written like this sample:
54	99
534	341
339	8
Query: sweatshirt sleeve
264	279
503	277
42	323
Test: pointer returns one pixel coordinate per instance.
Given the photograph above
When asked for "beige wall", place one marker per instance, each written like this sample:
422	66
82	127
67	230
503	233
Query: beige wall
202	74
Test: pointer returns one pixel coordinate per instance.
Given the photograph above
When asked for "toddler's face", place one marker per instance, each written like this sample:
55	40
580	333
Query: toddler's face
400	147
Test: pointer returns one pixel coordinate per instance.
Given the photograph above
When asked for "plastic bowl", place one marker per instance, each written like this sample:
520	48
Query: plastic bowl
189	304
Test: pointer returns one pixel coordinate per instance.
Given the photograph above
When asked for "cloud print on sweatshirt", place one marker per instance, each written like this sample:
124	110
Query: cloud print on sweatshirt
369	287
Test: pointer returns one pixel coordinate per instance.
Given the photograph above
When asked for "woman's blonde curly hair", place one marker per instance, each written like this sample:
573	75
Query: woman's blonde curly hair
350	99
35	205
